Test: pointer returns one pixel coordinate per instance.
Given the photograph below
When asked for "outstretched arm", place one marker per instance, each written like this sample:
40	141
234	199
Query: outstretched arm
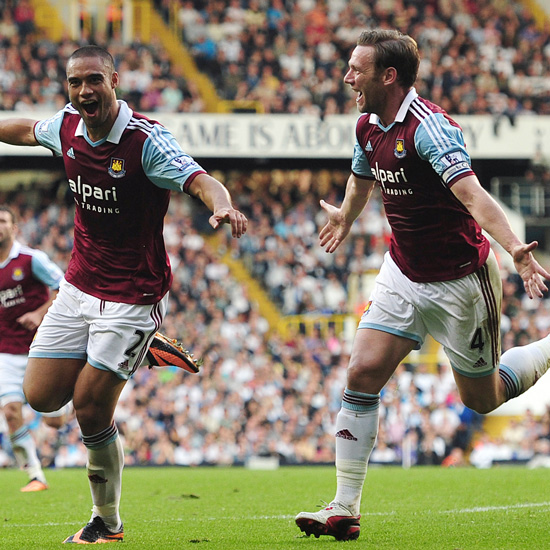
18	131
340	220
216	197
490	216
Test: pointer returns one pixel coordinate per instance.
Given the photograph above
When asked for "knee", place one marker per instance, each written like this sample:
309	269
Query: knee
12	412
365	377
37	401
42	402
56	422
91	417
356	374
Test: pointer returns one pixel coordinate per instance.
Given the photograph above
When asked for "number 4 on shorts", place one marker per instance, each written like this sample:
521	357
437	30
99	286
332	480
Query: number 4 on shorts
477	341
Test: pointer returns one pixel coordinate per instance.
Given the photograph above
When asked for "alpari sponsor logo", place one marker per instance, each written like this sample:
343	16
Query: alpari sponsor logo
387	176
12	296
346	434
84	191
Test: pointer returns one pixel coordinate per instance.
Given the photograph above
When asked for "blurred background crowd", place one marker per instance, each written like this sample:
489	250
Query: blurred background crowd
290	56
264	391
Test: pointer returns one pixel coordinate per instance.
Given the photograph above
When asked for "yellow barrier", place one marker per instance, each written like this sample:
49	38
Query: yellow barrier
343	326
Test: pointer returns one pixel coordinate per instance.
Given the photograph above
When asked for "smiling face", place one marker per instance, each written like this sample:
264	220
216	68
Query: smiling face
364	79
92	86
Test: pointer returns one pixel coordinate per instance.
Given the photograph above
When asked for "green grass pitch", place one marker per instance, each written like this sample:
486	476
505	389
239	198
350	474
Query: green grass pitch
505	508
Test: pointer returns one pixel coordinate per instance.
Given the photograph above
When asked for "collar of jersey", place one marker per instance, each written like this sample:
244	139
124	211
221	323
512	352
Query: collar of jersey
401	114
14	252
124	116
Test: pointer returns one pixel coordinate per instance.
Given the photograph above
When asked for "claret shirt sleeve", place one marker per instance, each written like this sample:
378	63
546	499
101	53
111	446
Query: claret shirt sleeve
441	143
165	163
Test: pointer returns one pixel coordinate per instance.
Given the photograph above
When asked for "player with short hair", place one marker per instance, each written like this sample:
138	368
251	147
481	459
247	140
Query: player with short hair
121	167
439	277
29	281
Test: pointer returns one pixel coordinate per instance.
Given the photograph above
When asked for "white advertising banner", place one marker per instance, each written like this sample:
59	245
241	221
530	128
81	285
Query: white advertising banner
302	136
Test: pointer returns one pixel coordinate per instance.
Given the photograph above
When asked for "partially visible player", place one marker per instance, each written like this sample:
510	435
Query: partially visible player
121	168
29	281
439	276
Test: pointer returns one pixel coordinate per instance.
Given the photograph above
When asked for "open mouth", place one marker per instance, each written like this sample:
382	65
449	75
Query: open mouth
90	107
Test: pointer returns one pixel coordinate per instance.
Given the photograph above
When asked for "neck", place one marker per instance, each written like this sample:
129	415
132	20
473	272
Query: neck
393	104
5	248
95	134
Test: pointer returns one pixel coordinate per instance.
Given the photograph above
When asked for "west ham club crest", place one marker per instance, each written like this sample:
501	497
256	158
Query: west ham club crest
17	274
400	150
116	170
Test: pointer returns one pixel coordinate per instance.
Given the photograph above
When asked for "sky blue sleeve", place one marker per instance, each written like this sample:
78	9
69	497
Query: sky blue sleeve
442	145
47	132
359	164
45	270
164	161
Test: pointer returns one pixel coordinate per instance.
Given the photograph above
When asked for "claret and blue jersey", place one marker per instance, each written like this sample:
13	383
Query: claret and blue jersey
25	277
121	186
415	161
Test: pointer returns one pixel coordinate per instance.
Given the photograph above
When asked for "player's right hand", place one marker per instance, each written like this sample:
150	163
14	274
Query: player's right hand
335	230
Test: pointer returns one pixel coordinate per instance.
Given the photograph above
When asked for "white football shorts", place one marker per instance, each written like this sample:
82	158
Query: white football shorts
12	372
109	335
463	315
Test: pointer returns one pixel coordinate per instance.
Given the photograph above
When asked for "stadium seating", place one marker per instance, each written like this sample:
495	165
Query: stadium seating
261	392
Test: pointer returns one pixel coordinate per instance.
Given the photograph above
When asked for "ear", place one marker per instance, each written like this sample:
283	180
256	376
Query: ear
114	80
390	75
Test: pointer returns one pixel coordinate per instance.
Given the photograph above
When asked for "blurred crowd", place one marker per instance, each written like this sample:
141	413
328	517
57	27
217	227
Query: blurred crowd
32	68
290	56
261	393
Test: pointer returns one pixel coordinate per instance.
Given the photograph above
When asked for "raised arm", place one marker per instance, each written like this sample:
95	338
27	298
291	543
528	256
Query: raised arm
490	216
216	197
18	131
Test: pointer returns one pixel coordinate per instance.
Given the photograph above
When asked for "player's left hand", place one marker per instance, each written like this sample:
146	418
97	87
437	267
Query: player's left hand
236	219
531	272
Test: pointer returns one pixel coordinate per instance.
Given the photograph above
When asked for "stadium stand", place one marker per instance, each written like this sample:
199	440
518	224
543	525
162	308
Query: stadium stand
282	56
264	392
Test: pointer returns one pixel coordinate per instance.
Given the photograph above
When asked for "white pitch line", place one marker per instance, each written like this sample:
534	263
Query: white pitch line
497	508
477	509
